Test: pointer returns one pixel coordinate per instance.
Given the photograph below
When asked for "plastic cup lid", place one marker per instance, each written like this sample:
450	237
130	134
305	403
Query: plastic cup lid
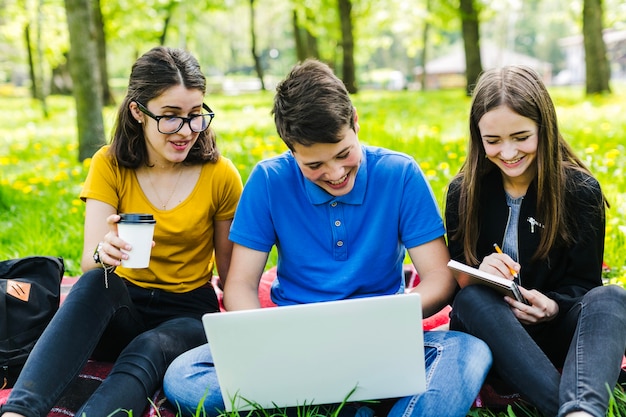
137	218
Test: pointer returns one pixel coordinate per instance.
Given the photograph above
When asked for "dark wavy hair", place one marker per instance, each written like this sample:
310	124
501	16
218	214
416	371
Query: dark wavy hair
152	74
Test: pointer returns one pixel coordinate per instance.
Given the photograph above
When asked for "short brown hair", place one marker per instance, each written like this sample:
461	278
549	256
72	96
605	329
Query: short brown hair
312	105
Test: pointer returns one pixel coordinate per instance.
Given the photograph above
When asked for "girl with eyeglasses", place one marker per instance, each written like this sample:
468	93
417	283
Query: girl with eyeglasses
163	160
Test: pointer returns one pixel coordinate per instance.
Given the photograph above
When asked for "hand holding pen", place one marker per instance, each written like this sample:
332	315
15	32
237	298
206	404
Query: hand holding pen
511	270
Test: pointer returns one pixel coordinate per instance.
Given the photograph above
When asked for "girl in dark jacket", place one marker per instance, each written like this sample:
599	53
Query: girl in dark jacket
523	188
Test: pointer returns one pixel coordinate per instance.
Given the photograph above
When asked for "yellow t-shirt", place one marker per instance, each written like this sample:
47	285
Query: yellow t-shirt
182	258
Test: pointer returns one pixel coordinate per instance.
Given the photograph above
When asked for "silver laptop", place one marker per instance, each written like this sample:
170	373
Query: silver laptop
319	353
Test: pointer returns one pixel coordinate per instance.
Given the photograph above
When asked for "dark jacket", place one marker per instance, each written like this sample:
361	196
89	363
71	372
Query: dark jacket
570	270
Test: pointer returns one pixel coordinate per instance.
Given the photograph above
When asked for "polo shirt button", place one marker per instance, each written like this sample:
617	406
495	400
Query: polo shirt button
333	204
340	243
337	223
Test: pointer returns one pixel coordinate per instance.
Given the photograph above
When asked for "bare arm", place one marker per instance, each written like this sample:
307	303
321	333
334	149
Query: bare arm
223	248
241	291
95	229
437	283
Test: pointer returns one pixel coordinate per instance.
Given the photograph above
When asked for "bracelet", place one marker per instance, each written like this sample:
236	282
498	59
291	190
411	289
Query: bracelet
96	254
107	268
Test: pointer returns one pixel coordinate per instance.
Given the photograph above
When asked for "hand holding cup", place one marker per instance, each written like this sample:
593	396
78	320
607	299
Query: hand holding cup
136	229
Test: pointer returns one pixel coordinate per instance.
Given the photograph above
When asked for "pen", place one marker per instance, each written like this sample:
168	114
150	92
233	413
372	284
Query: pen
495	245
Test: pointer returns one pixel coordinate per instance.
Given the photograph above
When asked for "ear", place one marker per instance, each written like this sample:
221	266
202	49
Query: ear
135	112
356	121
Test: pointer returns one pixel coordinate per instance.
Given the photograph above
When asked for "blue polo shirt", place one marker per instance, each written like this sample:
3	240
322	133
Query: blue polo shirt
332	248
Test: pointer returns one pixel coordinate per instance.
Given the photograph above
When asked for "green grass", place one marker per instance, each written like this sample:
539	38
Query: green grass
40	177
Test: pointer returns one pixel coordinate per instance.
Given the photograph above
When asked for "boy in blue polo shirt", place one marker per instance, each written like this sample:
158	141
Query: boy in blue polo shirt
342	216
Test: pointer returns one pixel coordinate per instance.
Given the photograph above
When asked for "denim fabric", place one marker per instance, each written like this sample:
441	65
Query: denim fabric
456	366
123	323
587	342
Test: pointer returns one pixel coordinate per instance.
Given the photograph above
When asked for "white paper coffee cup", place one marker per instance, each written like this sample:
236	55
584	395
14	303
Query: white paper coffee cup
136	230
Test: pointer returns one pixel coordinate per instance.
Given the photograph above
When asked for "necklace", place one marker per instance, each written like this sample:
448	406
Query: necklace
164	204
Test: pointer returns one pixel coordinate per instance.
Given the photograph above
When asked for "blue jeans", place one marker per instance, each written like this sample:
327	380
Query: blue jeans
456	366
142	330
587	342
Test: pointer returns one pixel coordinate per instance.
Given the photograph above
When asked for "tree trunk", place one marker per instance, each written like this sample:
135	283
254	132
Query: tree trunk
35	66
169	9
107	95
598	71
424	57
255	56
297	37
471	42
40	72
31	63
306	42
85	77
347	42
311	40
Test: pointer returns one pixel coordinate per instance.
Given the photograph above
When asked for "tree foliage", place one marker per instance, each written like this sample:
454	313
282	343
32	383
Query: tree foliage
231	41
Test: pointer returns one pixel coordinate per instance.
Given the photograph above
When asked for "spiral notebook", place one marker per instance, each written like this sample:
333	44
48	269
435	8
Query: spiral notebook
321	353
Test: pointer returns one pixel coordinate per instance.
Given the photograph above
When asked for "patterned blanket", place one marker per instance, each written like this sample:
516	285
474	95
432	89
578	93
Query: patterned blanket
86	383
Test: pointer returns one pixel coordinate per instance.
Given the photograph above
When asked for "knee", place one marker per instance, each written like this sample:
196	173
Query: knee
475	359
474	349
464	356
469	352
191	383
191	365
183	366
148	356
608	298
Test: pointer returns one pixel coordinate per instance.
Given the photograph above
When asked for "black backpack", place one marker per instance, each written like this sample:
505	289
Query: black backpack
30	290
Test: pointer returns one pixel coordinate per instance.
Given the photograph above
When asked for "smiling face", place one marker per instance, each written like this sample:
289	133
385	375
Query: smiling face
164	149
510	142
332	166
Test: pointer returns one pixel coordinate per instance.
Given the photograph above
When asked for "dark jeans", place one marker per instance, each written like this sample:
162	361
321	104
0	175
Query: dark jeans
142	330
587	342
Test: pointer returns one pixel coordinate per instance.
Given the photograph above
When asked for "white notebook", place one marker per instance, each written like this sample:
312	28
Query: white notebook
476	276
318	353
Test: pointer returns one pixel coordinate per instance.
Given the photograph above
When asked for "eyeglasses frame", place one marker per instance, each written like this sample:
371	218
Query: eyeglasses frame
187	120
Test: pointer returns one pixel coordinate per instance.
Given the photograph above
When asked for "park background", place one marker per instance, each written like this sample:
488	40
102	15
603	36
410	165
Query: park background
64	66
409	66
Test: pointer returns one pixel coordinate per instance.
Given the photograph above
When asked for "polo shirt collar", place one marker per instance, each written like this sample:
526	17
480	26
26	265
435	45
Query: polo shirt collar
356	196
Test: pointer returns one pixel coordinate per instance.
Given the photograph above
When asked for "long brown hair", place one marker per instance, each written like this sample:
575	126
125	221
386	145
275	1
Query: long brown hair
152	74
521	89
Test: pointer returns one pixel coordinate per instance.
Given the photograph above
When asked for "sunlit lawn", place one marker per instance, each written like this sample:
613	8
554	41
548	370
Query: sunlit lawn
40	212
41	177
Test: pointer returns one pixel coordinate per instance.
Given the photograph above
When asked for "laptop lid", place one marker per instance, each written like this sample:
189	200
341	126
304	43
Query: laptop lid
319	353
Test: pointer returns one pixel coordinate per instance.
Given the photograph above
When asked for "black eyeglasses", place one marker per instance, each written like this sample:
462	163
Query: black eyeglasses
171	124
